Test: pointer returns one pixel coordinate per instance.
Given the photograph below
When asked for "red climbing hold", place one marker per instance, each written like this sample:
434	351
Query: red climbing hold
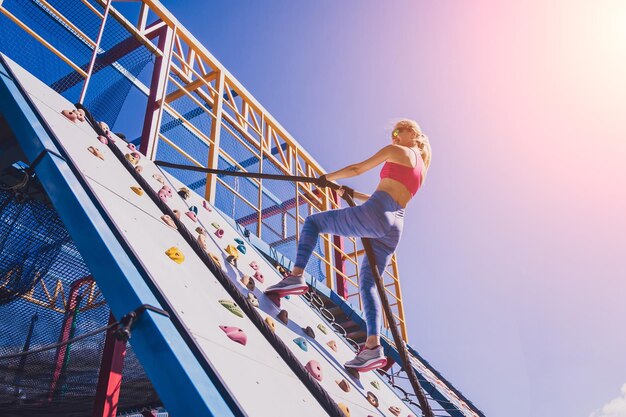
314	369
235	334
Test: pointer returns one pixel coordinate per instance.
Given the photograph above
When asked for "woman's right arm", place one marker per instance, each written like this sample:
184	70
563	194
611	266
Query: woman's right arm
364	166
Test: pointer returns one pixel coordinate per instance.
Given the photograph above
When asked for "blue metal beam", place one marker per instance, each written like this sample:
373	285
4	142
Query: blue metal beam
186	385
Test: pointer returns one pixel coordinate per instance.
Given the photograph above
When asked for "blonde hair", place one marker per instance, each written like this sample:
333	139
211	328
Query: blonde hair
421	141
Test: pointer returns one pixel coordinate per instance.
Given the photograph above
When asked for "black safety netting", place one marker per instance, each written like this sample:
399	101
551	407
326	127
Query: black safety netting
40	270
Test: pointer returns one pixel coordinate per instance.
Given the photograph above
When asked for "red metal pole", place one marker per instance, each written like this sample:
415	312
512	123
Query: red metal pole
110	376
66	330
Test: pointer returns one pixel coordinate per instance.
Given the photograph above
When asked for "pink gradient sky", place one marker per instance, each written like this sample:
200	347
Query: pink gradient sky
513	256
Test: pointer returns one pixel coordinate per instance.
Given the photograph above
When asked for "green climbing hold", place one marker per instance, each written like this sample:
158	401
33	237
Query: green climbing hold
301	341
216	225
375	384
322	328
232	307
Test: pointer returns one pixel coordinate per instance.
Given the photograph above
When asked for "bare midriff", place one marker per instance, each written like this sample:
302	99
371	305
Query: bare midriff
396	190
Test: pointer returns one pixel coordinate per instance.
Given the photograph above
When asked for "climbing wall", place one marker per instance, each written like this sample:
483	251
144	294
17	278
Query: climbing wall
247	364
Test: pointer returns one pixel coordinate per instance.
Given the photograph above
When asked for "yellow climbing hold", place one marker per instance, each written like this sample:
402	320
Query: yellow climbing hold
175	255
232	251
137	190
270	323
345	409
215	259
322	328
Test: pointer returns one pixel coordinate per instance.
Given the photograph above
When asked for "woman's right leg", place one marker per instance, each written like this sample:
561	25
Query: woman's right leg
360	221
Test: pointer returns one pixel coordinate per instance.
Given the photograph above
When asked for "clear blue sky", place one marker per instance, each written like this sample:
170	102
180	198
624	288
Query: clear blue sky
513	252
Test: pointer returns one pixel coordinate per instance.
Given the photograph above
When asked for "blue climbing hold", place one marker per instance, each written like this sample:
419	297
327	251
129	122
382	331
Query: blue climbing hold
241	242
301	341
241	248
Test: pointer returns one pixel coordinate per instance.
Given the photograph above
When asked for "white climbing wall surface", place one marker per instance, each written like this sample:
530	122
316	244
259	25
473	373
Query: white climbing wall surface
251	369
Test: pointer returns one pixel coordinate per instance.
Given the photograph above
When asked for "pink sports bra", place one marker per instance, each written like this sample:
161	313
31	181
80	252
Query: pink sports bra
411	178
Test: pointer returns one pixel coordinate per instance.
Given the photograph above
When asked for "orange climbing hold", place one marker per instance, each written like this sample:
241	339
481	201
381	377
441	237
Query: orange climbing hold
394	410
343	384
333	345
372	399
248	282
96	152
137	190
168	221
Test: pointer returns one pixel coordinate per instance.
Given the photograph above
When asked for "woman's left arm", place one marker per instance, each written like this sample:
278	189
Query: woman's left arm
364	166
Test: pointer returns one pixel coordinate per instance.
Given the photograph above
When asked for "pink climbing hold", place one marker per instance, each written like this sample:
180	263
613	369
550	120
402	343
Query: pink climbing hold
235	334
103	139
163	195
314	369
70	114
192	216
259	276
254	265
274	298
80	115
132	147
206	205
219	233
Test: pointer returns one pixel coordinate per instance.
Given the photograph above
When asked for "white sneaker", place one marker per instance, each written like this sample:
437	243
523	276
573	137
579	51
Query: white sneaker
291	285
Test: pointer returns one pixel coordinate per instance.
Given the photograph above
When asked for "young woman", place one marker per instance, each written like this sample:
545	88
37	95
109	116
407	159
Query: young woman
380	218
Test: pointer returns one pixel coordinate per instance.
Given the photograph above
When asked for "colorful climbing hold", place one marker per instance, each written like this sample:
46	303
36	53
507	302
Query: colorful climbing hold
375	384
175	255
322	328
216	225
215	259
314	369
232	307
283	316
104	127
242	249
103	140
254	265
96	152
270	323
70	114
301	342
239	241
247	282
162	195
132	158
185	193
132	147
395	410
176	213
309	332
168	221
287	297
219	233
274	298
235	334
192	216
343	384
159	178
353	373
139	169
137	190
333	345
344	408
201	239
259	276
206	205
372	398
232	251
252	299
